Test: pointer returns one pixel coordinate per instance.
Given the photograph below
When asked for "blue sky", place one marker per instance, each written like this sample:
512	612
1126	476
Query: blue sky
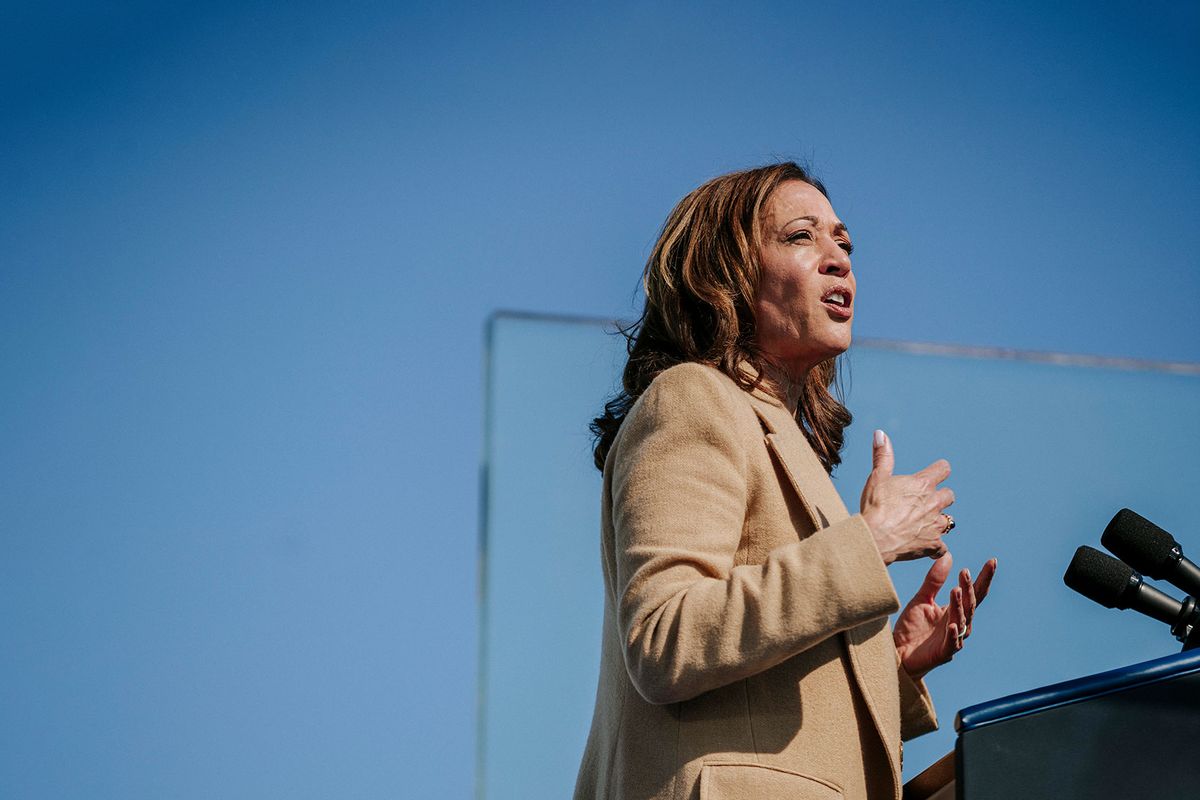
246	256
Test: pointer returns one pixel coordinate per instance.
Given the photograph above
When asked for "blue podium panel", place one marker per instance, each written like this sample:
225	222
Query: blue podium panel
1044	450
1126	733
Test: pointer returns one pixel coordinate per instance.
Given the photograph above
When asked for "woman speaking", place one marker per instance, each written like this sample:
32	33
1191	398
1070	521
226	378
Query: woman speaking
746	646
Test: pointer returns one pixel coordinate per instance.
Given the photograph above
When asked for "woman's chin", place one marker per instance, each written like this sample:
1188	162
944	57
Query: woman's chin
838	345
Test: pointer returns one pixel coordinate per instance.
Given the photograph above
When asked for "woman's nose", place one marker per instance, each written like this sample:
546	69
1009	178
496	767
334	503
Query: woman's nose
836	262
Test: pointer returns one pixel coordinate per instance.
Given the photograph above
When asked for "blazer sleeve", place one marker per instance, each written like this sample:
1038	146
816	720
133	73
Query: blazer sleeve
917	715
690	620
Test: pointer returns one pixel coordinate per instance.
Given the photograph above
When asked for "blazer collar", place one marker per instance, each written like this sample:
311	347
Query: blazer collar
767	402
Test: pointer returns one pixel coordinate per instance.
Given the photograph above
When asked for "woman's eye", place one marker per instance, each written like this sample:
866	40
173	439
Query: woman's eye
798	235
847	246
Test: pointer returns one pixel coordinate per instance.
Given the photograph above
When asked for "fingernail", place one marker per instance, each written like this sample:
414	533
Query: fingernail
879	438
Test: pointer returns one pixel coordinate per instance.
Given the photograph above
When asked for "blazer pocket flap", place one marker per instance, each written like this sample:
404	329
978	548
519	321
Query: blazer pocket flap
749	781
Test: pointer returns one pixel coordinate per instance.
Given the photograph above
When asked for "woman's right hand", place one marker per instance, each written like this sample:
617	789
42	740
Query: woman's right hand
904	512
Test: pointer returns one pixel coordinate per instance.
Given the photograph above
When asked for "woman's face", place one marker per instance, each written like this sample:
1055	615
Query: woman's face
805	301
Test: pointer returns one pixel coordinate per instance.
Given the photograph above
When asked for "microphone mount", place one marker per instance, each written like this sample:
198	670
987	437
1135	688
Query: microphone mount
1187	628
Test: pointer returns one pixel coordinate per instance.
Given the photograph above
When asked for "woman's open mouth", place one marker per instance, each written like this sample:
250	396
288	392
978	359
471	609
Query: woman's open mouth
838	300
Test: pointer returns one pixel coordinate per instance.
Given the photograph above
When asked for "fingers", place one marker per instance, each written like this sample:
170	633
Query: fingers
943	498
968	600
984	582
953	642
883	460
958	618
935	578
936	472
974	593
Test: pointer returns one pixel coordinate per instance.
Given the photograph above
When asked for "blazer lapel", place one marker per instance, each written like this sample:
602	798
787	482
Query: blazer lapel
781	455
868	645
804	470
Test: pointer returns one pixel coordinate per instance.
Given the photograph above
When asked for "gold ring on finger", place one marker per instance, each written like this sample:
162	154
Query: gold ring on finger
949	524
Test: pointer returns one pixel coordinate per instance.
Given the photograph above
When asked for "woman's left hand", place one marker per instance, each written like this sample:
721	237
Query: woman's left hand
928	635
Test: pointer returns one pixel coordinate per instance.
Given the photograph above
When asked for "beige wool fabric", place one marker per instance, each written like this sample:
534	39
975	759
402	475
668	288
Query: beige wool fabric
746	650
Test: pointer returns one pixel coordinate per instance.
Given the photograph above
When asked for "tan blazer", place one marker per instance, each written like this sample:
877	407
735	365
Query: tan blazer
746	647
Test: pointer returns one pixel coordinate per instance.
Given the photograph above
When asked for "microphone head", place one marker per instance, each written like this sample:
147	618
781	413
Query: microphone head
1100	577
1141	544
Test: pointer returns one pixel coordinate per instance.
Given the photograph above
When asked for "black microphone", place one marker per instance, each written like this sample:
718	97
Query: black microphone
1113	584
1152	551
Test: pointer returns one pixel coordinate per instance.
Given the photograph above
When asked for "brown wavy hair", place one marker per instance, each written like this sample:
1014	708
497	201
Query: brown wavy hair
700	283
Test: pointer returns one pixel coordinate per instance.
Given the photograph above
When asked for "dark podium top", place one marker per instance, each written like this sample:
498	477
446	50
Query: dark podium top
1134	730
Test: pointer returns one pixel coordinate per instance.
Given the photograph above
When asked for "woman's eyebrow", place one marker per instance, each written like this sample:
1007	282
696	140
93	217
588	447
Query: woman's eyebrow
839	228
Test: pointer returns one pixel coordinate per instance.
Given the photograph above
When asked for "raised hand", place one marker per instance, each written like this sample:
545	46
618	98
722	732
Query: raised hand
927	634
904	512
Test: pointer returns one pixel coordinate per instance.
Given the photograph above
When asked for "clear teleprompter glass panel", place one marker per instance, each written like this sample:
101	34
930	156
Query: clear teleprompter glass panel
1044	450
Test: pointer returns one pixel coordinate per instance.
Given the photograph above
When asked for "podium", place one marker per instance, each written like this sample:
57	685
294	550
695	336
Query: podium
1131	732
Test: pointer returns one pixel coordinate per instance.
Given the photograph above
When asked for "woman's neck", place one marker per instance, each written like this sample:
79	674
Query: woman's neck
785	384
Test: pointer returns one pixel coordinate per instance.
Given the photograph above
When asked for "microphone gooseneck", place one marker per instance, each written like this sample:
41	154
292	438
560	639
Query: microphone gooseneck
1113	584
